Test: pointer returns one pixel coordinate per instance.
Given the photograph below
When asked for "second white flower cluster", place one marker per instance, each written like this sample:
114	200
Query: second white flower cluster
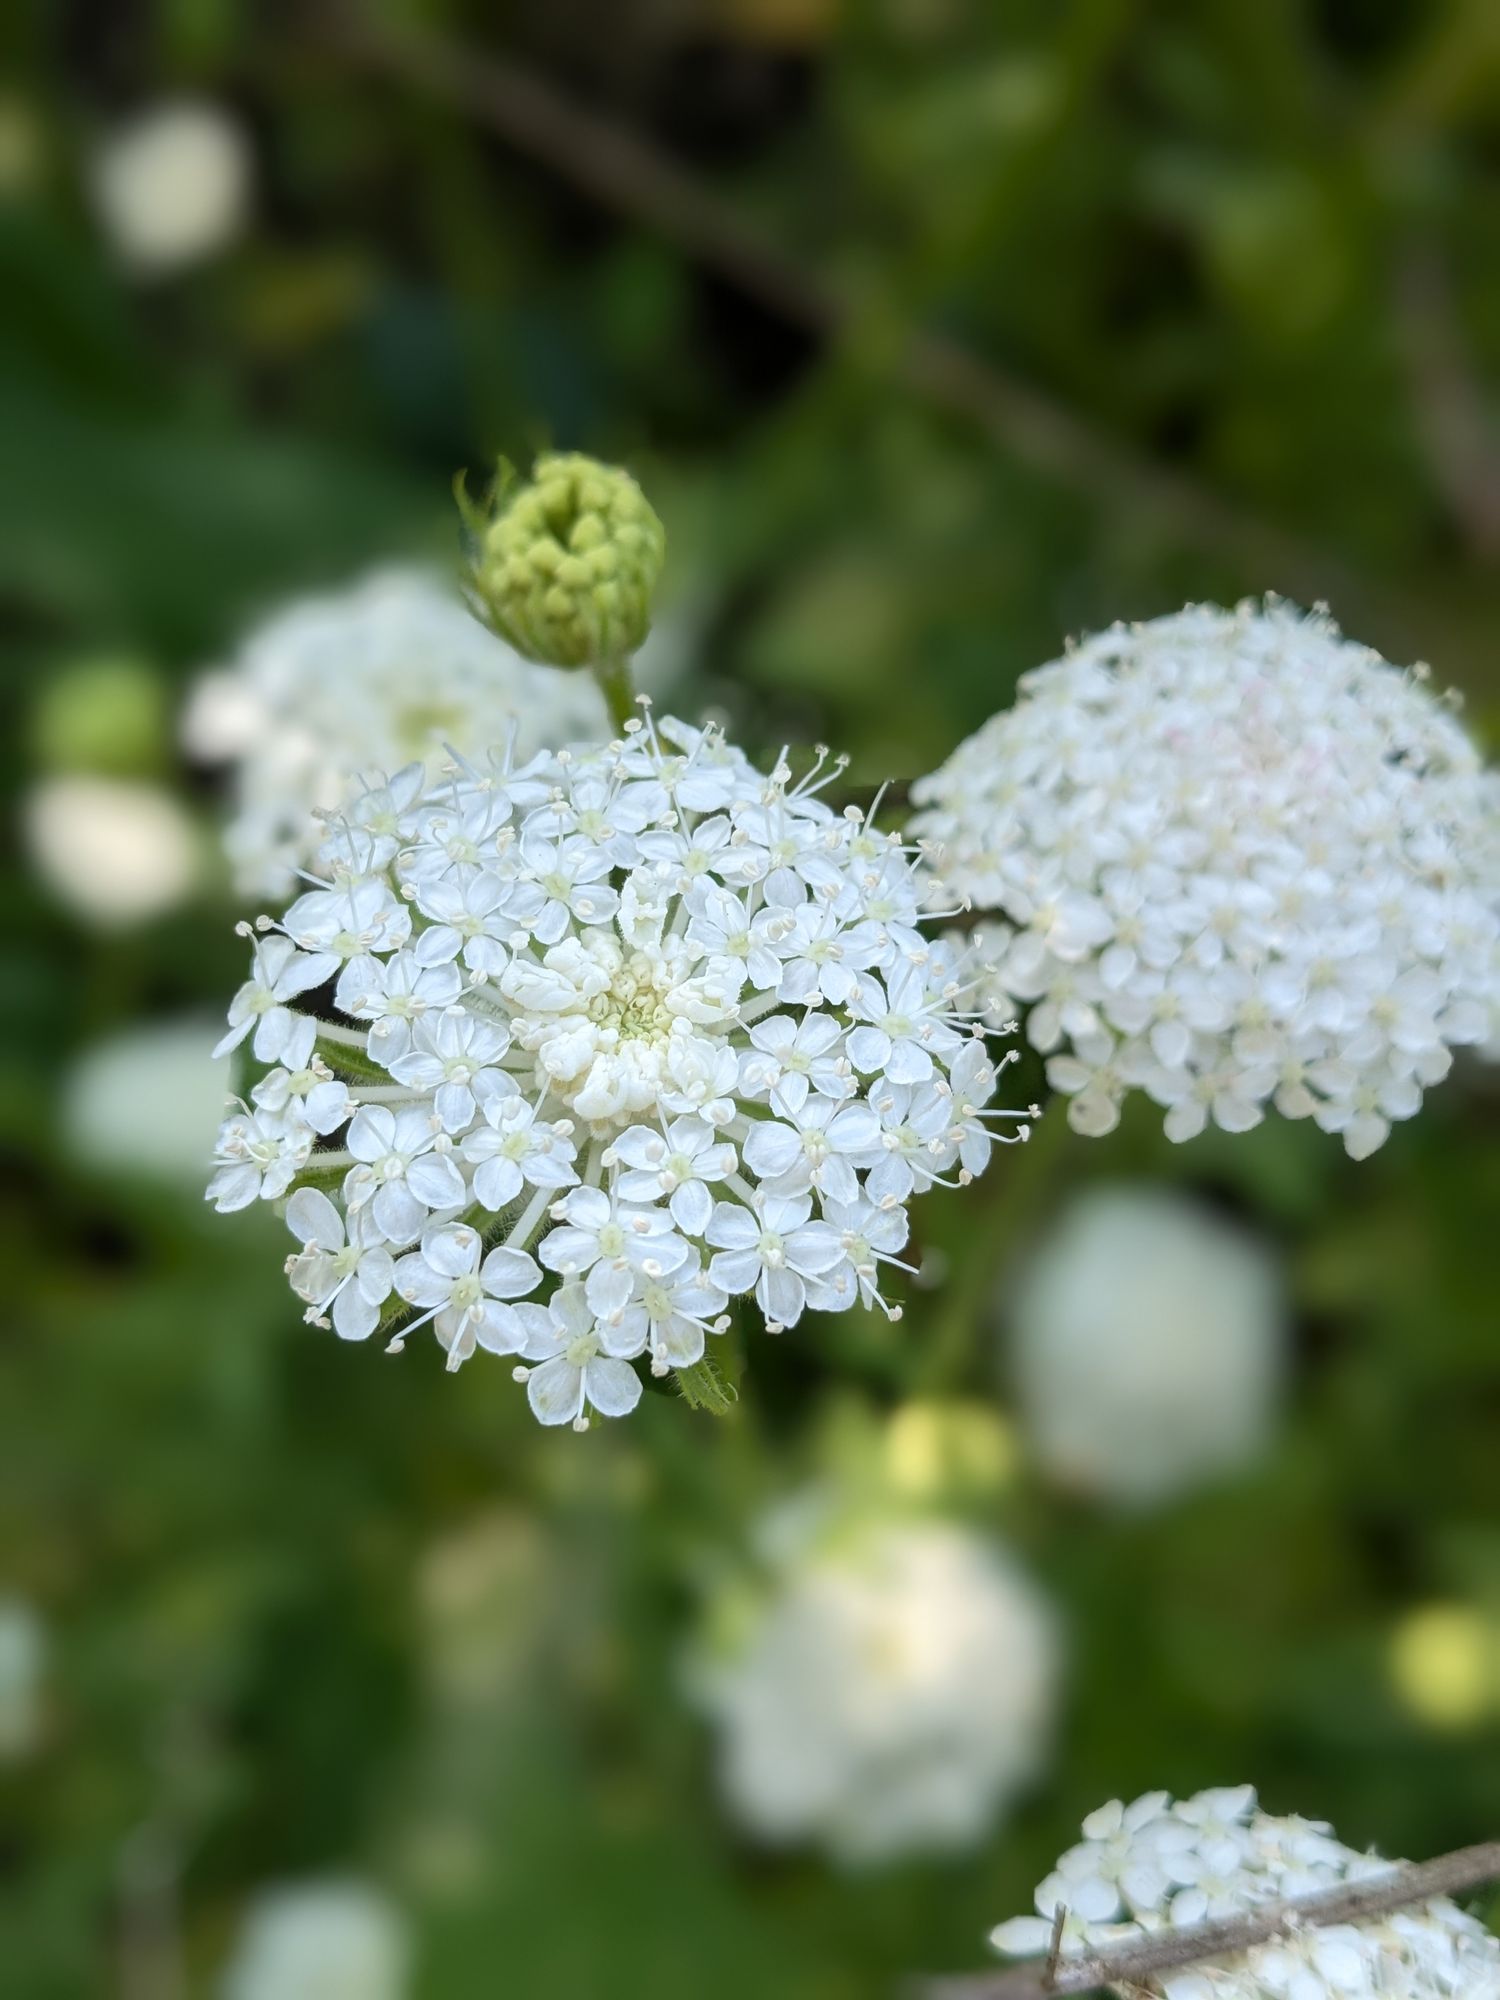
1157	1864
637	1029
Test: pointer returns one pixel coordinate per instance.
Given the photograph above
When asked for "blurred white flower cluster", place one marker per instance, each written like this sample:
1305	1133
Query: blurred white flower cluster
147	1101
172	185
117	852
1159	1864
891	1693
392	669
1148	1344
336	1940
661	1019
1238	861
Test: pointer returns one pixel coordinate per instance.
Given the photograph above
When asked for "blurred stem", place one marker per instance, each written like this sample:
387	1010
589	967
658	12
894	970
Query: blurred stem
150	1947
1016	1202
617	685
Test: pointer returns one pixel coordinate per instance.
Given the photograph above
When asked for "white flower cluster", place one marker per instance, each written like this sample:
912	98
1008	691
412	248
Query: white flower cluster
1238	861
640	1029
116	852
892	1694
1148	1344
1157	1864
173	185
390	670
334	1940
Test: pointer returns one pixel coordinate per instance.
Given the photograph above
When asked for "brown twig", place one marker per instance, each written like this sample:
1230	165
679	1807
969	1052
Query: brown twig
1406	1882
629	175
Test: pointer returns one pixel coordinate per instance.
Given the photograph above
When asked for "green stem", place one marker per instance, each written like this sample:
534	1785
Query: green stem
703	1387
617	685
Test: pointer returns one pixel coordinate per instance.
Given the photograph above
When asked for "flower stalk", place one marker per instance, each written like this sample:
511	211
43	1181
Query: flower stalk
617	684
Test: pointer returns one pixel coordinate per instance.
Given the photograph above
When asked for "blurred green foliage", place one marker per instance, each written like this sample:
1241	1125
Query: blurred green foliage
1251	242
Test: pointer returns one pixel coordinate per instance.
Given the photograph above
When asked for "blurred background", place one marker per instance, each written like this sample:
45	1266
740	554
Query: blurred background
937	331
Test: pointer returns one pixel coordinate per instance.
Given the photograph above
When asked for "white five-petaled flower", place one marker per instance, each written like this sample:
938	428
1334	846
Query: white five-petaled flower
1231	860
345	1277
398	1171
463	1291
258	1154
662	1025
1157	1864
261	1010
680	1163
573	1373
773	1249
512	1147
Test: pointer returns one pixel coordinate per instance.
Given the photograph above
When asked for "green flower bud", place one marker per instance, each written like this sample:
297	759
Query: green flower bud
567	564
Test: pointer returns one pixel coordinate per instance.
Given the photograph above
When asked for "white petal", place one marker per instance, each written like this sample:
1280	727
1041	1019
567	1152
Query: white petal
691	1206
553	1391
613	1387
509	1274
312	1218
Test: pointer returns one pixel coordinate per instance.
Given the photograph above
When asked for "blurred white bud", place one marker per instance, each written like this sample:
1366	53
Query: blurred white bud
23	1657
1149	1342
172	185
892	1693
320	1941
116	853
148	1101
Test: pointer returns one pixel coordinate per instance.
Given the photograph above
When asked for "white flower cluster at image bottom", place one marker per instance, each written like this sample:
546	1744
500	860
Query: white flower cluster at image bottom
889	1694
1233	861
635	1022
1160	1864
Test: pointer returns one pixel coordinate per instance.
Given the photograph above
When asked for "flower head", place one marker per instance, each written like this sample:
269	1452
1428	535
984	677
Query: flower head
1159	1865
890	1693
1236	862
388	671
576	1123
1148	1341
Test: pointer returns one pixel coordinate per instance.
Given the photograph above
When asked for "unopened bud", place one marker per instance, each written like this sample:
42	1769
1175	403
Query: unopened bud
566	564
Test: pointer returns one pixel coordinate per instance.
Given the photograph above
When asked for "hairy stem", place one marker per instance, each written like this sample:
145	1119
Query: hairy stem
704	1387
